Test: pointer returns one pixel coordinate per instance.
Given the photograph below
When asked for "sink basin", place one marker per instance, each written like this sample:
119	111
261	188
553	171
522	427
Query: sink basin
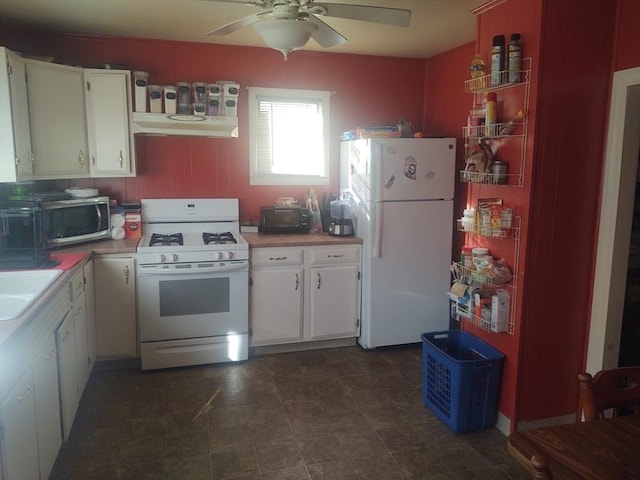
18	290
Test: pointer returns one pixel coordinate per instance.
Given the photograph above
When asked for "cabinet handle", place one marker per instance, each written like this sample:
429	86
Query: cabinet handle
319	281
277	258
335	256
32	158
26	394
121	158
81	158
297	282
126	274
52	354
93	160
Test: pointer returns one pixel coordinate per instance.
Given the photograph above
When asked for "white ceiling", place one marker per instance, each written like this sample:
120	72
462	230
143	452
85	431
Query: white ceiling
436	25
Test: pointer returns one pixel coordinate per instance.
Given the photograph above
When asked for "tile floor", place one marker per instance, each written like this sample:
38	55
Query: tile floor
342	413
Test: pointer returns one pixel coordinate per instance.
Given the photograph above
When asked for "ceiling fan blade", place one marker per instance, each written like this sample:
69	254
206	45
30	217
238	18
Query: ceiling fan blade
251	3
388	16
325	35
236	25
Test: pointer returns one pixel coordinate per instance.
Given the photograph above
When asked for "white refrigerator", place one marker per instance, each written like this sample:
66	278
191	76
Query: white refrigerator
402	192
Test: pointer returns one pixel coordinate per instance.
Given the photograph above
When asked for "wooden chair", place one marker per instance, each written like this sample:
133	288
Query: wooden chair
616	388
540	468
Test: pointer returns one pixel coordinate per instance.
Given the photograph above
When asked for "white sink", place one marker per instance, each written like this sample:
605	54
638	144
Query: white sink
18	290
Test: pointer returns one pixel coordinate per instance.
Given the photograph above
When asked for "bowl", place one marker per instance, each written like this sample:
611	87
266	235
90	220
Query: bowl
81	192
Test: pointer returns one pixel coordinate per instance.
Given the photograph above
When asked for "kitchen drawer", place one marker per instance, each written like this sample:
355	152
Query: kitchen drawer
333	255
77	284
276	256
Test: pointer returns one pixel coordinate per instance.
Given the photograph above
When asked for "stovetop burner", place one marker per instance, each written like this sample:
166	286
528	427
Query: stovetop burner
218	238
166	240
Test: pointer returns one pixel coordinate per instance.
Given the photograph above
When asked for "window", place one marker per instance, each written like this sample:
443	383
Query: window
289	131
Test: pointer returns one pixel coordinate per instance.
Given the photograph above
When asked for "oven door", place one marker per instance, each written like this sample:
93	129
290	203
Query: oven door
192	300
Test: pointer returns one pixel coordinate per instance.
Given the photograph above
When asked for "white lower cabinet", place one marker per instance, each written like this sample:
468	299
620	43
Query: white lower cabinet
276	305
115	306
67	372
47	402
43	372
304	294
19	445
90	312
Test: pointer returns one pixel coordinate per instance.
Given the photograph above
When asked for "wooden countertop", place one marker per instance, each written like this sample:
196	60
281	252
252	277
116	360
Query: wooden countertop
258	240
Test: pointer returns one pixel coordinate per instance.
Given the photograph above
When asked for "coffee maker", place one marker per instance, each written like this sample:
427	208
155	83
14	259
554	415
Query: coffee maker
341	218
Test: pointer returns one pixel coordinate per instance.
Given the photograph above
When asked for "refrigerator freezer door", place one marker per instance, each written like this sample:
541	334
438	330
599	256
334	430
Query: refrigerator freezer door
413	169
404	289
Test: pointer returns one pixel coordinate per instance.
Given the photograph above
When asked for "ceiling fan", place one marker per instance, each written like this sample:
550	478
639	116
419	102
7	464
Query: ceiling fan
287	25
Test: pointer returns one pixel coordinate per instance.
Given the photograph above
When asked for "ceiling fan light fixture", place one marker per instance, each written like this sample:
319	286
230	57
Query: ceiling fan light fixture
285	35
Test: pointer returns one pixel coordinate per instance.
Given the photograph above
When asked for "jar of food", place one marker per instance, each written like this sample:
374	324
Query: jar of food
499	172
466	257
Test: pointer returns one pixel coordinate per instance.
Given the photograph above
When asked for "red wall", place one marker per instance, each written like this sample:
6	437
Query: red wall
369	90
627	53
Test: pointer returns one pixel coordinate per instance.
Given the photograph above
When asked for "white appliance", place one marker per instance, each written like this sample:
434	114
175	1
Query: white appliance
192	283
402	190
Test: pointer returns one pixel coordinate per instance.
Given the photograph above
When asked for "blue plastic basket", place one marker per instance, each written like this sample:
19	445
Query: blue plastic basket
461	379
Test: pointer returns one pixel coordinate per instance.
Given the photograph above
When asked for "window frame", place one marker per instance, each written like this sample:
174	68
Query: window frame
257	177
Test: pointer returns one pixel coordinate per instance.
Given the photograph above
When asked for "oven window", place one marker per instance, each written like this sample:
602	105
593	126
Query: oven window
193	297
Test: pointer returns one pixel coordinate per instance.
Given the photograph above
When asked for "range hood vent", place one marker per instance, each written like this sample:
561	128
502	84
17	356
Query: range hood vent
185	125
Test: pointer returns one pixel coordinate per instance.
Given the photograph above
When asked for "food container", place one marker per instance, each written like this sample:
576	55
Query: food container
170	99
213	106
184	93
155	98
214	89
140	82
199	109
230	90
230	107
199	92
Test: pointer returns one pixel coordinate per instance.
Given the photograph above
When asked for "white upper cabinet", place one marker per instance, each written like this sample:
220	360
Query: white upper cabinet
15	138
108	102
57	119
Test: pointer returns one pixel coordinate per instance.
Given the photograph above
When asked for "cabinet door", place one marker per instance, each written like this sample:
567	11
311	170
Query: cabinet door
47	402
65	340
90	313
81	335
334	301
108	95
19	442
15	138
276	306
57	116
115	306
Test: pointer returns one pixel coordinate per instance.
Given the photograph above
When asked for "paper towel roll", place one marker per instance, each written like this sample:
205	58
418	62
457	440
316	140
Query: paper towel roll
117	220
117	233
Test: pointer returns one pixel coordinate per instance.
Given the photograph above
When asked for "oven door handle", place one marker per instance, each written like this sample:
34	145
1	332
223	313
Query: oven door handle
157	270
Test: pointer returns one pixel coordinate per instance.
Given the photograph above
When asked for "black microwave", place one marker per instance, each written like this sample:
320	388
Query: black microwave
284	220
77	220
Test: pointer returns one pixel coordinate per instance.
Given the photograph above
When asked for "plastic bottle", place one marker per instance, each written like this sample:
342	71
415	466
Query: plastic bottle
477	66
490	115
515	58
497	59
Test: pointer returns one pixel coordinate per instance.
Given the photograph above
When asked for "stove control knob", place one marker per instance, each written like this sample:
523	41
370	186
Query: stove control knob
227	255
162	258
217	255
175	257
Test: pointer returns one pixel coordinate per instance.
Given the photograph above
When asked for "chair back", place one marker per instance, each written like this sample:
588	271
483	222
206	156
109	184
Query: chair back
616	388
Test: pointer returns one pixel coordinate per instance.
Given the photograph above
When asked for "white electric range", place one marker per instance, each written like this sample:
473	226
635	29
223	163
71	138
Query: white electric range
192	283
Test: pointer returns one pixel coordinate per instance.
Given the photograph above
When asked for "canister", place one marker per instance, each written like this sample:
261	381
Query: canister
155	98
170	99
499	171
140	82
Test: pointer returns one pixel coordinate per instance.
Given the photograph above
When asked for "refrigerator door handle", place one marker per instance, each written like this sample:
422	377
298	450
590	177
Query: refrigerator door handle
377	246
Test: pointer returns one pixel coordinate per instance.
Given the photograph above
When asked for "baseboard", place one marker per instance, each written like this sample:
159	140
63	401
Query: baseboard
301	346
547	422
